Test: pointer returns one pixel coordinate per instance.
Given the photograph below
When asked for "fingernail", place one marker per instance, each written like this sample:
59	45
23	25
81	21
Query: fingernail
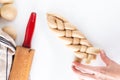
102	51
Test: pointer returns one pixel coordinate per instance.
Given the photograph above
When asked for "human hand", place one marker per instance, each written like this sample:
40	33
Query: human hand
109	72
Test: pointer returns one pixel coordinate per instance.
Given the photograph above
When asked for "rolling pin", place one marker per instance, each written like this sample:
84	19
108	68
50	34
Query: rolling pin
24	54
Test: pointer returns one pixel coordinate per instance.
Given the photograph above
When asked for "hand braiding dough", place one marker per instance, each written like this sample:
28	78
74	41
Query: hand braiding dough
73	38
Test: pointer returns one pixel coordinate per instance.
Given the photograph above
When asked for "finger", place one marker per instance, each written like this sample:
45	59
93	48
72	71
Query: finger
80	78
87	68
106	59
84	75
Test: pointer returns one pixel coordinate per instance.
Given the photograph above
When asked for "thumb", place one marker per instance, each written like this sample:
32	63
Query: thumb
105	58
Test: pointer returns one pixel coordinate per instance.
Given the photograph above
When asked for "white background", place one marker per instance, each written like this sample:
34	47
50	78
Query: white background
99	20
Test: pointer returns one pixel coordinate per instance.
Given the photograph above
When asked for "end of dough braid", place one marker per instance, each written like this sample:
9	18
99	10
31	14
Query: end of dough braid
77	59
89	58
56	16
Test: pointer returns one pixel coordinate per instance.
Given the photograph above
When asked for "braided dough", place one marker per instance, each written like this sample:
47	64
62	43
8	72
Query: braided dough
73	38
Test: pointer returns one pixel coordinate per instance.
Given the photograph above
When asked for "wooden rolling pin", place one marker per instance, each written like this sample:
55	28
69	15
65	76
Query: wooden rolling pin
24	55
22	63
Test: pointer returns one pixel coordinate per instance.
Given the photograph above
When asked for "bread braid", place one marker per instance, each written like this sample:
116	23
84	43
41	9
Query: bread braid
73	38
